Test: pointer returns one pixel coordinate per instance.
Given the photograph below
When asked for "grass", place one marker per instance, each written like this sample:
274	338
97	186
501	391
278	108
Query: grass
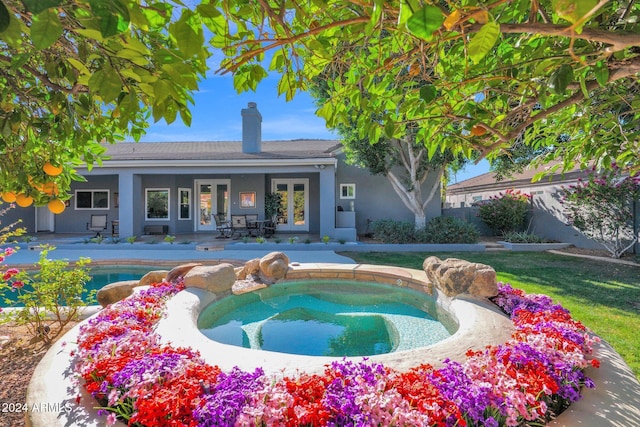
604	296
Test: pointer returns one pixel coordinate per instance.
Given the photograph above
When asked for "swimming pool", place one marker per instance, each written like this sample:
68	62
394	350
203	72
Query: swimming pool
100	276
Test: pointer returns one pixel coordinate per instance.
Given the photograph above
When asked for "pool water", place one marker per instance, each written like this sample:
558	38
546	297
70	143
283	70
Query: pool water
100	276
326	318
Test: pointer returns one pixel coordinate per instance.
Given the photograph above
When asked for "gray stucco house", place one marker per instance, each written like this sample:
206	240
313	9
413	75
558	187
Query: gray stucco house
178	187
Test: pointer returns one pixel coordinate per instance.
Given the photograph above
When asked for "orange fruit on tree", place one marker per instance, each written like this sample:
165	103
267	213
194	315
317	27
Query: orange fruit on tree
50	188
56	206
478	130
23	200
52	170
9	196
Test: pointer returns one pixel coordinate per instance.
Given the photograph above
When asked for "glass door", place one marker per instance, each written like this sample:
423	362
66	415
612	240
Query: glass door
212	198
294	204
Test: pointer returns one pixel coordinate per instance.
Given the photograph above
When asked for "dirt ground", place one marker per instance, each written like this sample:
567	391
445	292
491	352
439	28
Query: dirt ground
19	356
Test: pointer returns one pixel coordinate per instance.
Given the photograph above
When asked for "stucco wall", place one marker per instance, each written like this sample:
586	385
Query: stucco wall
376	199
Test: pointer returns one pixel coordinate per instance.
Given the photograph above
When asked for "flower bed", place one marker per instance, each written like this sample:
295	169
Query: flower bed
532	377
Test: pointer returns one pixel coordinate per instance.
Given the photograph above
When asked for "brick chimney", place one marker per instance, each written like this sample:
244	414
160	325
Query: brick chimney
251	129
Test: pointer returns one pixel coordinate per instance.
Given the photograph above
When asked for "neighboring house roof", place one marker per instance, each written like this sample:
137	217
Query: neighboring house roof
487	181
224	150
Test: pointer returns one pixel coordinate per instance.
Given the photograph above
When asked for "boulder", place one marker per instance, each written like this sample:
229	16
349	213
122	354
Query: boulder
115	292
455	276
273	266
180	271
156	276
214	278
251	267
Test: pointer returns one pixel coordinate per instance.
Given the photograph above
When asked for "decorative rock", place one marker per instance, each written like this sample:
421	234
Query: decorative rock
251	267
214	278
274	266
156	276
455	276
180	271
115	292
246	286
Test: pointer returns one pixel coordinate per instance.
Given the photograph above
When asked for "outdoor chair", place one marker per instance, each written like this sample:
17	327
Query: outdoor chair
223	226
238	225
98	224
253	226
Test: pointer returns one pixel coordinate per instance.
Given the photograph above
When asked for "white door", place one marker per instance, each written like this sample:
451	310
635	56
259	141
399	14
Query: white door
293	214
44	219
212	198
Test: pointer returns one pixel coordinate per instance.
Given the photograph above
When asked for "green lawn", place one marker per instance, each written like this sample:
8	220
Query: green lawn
602	295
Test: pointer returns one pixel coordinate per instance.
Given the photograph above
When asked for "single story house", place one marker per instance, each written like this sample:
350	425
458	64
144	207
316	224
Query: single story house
547	217
179	187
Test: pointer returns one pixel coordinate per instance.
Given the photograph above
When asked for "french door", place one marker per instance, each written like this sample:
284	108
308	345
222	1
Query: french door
212	198
293	214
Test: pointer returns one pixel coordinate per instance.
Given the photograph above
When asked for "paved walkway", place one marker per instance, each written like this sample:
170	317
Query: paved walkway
147	254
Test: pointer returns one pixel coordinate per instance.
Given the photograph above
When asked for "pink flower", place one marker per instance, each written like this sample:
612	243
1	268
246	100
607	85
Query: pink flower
18	284
10	273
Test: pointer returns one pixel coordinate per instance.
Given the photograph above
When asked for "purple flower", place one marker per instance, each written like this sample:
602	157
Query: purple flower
229	395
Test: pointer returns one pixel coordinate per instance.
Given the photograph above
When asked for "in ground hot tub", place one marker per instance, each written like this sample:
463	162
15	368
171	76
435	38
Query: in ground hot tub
327	318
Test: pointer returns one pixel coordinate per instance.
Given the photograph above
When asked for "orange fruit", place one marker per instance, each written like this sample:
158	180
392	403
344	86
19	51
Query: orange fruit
56	206
23	200
52	170
9	196
478	130
34	184
50	188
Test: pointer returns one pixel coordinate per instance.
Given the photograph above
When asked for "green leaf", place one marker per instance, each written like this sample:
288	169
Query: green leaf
106	83
428	93
5	18
112	16
602	73
573	10
425	22
189	38
37	6
484	40
561	78
45	29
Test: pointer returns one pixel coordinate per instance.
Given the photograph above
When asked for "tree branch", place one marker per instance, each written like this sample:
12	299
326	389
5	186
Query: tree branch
617	40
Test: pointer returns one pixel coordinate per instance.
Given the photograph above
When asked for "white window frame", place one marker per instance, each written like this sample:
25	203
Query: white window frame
92	191
146	204
350	190
180	204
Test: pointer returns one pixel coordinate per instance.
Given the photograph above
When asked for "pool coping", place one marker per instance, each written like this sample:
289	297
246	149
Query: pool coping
614	402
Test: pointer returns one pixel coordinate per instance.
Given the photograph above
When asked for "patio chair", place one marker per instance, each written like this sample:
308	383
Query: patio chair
238	225
98	224
223	226
253	226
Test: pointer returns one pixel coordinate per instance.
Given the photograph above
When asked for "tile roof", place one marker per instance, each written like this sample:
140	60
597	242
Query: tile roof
222	150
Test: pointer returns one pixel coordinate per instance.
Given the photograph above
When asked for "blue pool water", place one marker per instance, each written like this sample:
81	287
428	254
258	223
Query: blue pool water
100	276
326	318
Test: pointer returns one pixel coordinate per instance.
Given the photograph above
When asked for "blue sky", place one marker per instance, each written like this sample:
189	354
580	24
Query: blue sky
216	117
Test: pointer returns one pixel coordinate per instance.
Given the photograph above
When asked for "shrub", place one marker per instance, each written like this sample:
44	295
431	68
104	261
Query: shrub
438	230
602	209
505	212
52	297
443	229
522	237
392	231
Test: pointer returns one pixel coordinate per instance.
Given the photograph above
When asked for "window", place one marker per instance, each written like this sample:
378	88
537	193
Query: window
92	199
347	191
477	198
184	203
157	203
